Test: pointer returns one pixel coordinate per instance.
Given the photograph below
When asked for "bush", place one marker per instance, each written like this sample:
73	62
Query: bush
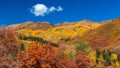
82	46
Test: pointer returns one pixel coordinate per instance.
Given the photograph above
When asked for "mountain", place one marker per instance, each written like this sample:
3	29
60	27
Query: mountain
32	25
69	30
82	43
105	36
55	32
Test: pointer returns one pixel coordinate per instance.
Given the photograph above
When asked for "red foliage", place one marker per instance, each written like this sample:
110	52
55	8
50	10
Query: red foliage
49	57
82	61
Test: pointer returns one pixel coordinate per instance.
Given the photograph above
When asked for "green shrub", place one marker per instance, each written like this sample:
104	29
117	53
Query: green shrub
82	46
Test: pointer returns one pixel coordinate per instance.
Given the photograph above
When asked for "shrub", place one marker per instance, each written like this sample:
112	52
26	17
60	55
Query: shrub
82	46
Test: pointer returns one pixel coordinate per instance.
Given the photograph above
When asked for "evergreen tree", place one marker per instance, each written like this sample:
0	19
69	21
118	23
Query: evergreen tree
109	53
22	47
106	57
98	53
118	57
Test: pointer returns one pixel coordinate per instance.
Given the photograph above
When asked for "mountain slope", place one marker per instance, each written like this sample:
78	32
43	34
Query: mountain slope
68	31
55	32
105	35
32	26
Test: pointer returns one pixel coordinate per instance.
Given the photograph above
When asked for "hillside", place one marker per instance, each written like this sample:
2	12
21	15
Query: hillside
31	25
105	36
58	31
88	43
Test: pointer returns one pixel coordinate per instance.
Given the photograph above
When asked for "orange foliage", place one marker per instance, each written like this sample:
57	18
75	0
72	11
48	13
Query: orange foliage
82	61
49	57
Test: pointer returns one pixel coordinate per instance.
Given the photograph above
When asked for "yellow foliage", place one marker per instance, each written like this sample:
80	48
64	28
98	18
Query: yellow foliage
92	56
55	34
66	31
29	32
116	65
114	56
95	25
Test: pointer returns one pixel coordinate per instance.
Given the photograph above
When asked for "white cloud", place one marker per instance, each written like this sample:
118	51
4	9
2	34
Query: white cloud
55	9
60	8
52	9
42	10
39	10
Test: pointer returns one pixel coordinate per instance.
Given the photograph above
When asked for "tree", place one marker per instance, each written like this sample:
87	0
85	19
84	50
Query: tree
97	55
106	57
50	57
40	57
22	47
118	57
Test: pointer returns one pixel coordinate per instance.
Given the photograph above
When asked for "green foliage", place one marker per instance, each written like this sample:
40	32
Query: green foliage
118	57
97	61
30	38
40	40
53	44
72	55
106	57
14	55
22	47
109	53
82	46
98	53
65	39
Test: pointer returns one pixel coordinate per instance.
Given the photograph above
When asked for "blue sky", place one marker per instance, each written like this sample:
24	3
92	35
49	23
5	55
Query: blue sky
18	11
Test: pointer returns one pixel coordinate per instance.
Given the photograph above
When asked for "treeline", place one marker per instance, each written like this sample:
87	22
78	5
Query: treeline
107	58
40	40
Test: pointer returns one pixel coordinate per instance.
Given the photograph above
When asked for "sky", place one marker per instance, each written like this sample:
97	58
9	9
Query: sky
56	11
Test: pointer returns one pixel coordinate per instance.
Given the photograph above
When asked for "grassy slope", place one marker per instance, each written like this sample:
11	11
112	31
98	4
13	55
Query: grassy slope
104	36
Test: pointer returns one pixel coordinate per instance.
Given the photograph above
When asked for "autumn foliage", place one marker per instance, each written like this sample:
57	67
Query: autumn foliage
50	57
8	45
82	61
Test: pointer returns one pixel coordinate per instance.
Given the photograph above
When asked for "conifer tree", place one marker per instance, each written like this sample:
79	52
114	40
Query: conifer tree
22	47
118	57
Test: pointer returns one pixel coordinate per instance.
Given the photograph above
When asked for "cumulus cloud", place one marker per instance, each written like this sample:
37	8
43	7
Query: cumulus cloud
42	10
39	10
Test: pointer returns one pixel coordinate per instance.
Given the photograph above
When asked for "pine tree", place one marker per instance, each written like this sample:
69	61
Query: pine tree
106	57
118	57
22	47
97	55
